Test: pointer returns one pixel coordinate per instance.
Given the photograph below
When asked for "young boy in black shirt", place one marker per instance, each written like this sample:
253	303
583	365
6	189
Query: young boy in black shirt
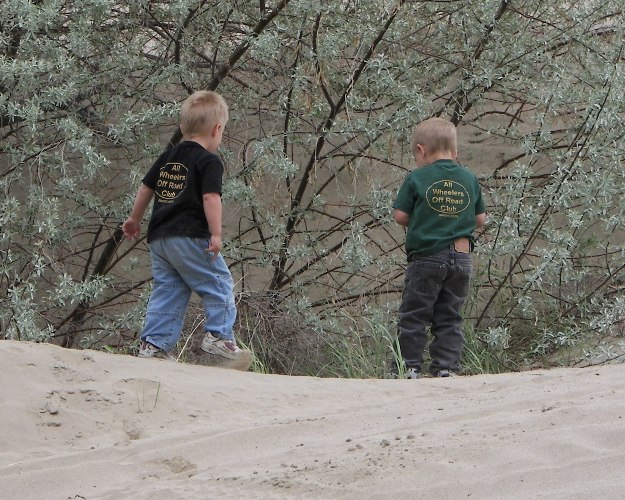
184	233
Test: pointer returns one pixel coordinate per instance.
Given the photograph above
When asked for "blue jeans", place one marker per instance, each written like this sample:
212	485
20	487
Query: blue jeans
435	289
179	266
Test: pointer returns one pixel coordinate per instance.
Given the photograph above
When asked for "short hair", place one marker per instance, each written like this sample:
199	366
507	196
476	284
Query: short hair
437	135
202	110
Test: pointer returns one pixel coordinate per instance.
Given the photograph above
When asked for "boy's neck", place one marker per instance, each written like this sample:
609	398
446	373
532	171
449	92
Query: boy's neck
209	137
439	155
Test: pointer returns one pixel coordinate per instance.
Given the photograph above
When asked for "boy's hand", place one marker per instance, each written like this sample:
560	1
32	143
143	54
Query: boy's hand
214	245
131	228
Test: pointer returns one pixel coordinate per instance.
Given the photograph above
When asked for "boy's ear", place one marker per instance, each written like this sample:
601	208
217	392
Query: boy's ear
216	129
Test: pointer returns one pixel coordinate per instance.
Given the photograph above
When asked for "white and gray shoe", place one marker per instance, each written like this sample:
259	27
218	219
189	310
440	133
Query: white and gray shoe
221	347
148	350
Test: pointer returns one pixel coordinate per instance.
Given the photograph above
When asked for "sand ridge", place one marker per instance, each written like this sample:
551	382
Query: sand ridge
87	424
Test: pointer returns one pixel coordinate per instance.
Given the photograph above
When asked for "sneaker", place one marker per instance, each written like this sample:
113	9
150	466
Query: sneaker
147	350
413	373
444	373
221	347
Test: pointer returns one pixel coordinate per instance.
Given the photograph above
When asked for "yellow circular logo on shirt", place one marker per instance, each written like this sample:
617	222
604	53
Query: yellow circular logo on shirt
448	197
172	179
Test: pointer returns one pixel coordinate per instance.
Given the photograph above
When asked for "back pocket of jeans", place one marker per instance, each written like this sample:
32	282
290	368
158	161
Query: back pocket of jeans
427	279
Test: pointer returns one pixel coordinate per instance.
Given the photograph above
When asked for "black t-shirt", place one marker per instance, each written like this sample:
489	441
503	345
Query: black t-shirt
179	178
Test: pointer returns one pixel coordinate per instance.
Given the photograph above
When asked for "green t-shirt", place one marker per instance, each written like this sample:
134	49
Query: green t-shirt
442	200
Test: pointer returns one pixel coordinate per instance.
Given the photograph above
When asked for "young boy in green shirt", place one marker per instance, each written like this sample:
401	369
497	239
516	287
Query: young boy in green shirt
440	203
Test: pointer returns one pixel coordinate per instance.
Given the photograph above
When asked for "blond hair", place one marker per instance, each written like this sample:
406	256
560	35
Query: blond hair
437	135
201	111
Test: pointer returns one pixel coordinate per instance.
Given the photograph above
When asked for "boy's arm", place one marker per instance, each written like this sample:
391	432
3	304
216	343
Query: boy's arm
132	226
401	217
480	219
212	211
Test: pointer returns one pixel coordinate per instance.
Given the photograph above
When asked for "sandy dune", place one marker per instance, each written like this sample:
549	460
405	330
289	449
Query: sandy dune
85	424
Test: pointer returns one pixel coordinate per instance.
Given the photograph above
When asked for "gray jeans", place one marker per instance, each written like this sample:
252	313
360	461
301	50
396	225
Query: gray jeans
435	288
